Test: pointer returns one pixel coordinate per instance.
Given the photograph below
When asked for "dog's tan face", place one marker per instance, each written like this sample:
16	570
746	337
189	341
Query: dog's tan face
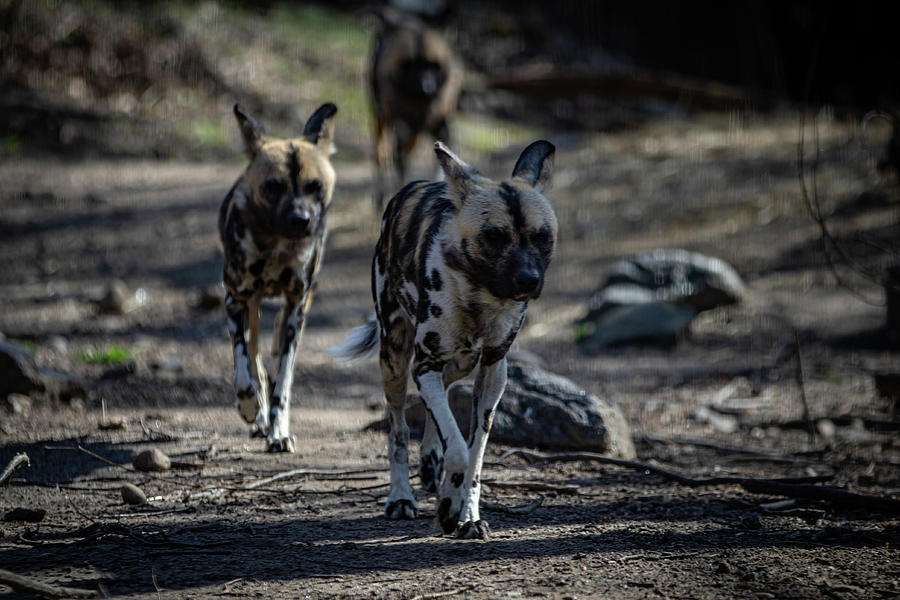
290	180
507	230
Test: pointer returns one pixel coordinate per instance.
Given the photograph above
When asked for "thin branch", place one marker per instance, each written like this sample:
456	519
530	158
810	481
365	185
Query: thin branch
20	583
17	461
296	472
524	509
810	428
793	487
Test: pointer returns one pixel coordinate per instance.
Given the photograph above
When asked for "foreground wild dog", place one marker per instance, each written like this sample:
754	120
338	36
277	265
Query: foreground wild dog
272	226
454	269
415	81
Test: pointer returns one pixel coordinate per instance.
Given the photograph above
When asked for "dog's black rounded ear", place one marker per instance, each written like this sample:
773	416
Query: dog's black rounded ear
460	175
535	165
252	130
319	129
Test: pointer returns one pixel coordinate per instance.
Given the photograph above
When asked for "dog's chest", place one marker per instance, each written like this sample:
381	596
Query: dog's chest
281	269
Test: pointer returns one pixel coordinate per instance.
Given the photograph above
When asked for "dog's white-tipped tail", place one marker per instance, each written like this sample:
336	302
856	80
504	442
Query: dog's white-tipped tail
360	344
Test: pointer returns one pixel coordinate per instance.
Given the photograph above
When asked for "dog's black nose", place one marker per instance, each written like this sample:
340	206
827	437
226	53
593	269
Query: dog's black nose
527	281
299	221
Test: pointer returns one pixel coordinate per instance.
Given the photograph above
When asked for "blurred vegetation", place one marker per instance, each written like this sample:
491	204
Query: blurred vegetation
113	354
104	78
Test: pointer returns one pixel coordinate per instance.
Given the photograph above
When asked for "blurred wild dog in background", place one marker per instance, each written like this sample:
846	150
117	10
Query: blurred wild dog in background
416	80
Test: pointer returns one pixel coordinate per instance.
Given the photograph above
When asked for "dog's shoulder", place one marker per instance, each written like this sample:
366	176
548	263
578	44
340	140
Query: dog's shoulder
230	217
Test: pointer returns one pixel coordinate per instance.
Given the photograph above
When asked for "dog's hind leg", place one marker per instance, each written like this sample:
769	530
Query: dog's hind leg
489	385
396	348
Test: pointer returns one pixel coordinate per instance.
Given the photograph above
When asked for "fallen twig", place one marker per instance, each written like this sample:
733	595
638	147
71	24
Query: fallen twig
524	509
724	448
443	594
17	461
534	486
296	472
793	487
20	583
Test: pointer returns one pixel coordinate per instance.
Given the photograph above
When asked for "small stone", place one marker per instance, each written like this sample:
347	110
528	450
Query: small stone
826	428
751	521
153	459
58	343
132	494
18	404
28	515
114	298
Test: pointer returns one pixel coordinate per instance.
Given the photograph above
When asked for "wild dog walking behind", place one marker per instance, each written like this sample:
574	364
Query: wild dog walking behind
416	80
272	226
454	269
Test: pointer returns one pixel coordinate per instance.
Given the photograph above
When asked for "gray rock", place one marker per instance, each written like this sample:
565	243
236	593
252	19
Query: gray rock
658	323
669	275
540	409
18	371
653	297
19	374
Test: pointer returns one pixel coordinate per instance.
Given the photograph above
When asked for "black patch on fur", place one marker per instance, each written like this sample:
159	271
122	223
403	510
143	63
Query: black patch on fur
294	167
513	204
258	283
257	267
285	276
445	519
437	281
430	471
436	311
432	342
456	479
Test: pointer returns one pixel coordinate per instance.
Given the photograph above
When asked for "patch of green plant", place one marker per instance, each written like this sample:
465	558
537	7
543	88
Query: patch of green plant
832	377
487	134
113	354
209	134
28	345
581	332
12	144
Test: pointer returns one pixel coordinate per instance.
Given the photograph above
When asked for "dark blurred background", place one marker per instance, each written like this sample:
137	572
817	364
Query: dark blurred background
157	79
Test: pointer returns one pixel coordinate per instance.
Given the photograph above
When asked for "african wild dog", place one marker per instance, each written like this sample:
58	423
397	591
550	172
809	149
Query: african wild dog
454	269
272	226
415	81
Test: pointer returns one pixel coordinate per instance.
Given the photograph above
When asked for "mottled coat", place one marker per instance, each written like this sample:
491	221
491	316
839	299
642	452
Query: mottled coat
272	225
453	272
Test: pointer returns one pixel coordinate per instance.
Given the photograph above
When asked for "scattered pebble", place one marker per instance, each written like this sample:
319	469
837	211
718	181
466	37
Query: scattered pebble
132	494
153	459
18	404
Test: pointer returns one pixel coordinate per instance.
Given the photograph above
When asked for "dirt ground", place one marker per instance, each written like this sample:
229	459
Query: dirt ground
724	184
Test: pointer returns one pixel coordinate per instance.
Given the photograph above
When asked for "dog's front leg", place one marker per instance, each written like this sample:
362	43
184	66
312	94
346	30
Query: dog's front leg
291	327
489	385
456	455
249	393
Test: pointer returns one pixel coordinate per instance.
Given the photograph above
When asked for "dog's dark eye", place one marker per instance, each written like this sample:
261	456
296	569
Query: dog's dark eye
273	189
496	237
313	187
541	238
